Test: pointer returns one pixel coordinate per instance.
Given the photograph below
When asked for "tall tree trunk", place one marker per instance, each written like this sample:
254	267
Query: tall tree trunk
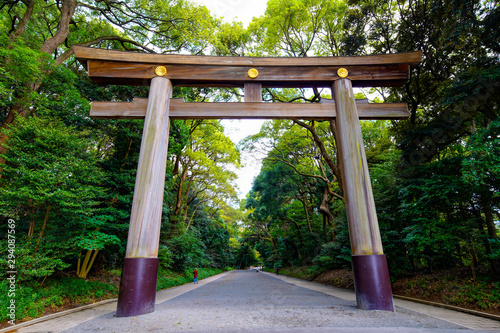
42	232
194	212
21	26
323	208
473	259
44	225
490	223
275	248
324	225
67	11
127	152
188	201
175	172
306	210
179	192
31	230
84	269
296	227
486	242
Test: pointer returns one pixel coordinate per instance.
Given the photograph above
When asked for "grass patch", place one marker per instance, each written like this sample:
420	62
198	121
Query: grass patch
303	272
453	287
57	294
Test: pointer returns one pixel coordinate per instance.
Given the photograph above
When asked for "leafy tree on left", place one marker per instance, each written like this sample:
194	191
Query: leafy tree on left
40	91
36	37
50	185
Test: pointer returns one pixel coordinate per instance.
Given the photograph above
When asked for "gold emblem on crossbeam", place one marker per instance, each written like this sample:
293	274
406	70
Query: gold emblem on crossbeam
160	71
342	72
253	73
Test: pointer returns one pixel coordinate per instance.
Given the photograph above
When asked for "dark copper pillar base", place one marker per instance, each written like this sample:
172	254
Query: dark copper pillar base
137	287
372	282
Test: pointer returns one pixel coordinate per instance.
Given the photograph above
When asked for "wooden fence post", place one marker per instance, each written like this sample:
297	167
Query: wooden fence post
369	264
140	268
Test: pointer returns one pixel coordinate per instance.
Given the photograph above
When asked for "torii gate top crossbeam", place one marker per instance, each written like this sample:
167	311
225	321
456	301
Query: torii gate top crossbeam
127	68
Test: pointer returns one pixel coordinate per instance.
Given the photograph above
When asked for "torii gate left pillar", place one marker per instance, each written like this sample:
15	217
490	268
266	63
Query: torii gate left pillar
140	267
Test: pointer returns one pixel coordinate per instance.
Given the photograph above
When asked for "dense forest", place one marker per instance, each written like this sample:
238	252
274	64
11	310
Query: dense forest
67	180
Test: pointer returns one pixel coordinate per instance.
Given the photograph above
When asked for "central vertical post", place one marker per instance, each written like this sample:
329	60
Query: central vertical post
140	267
369	264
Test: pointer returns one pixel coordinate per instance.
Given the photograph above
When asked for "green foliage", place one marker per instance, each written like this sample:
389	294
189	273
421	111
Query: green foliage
481	167
333	256
245	257
482	293
94	239
19	65
304	272
169	279
165	257
495	249
37	262
33	300
48	165
300	28
231	39
188	251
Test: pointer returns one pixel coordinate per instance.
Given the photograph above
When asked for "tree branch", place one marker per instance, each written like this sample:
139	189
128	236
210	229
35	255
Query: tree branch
69	52
335	169
67	11
283	160
21	27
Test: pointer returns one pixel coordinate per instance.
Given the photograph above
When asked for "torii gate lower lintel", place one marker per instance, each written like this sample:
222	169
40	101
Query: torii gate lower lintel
162	72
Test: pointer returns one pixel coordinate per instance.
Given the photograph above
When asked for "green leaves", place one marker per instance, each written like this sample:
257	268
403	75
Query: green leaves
95	240
299	28
48	164
92	238
481	167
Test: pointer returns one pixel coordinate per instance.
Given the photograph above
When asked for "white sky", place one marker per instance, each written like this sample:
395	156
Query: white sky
243	11
235	10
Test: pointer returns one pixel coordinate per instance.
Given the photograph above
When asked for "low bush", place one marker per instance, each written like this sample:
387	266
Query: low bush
169	279
33	300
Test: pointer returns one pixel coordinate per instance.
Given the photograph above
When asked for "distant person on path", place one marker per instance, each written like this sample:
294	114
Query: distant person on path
195	273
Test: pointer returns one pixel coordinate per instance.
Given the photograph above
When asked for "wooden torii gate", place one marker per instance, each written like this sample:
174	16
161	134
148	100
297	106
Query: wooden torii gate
162	72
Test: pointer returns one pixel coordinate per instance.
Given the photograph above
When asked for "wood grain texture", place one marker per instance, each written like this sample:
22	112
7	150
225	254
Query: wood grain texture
145	219
253	92
87	53
362	219
133	73
181	110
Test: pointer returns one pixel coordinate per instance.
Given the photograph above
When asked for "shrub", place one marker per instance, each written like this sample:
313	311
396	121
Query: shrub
333	256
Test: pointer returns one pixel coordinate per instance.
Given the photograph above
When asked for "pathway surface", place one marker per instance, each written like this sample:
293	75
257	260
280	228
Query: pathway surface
249	301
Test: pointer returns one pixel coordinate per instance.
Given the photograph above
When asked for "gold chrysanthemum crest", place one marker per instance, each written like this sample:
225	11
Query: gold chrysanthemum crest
253	73
160	71
342	72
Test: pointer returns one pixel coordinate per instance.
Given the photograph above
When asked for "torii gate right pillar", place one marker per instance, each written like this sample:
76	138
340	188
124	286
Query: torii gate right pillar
369	264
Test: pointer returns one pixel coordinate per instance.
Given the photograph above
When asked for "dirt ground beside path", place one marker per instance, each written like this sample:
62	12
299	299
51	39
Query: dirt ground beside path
452	287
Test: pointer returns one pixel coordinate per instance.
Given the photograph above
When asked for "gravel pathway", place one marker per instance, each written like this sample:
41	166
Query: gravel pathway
248	300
